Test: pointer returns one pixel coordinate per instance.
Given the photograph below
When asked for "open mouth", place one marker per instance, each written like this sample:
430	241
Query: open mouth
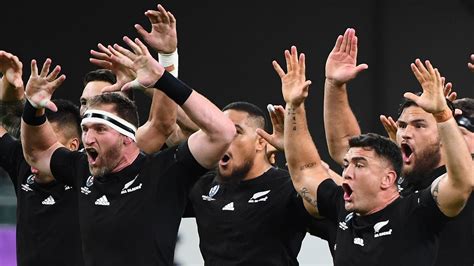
406	152
93	154
347	191
225	159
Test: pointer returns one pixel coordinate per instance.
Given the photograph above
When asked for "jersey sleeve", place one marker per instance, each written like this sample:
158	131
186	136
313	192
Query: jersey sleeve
426	209
190	168
64	166
11	157
329	199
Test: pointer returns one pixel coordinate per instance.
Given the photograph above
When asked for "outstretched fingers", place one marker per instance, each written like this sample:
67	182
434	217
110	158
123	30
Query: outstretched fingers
136	49
34	68
45	69
278	69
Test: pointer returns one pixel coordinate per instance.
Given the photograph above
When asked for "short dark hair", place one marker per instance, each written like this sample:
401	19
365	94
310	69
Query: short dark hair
382	146
407	103
107	76
67	117
123	106
251	109
466	105
466	119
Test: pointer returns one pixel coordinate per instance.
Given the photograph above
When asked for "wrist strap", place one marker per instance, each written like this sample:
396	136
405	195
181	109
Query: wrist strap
174	88
170	60
29	115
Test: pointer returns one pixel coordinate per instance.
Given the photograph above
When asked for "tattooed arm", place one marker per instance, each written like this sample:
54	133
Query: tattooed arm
306	168
452	190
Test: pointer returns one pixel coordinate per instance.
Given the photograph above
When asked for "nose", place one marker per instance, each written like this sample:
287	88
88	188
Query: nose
348	172
88	137
406	132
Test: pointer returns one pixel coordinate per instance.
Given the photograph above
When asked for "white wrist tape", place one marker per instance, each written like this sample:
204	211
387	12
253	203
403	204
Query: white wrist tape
167	60
41	104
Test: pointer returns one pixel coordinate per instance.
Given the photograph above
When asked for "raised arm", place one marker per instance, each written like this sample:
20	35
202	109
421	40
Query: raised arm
340	123
163	38
451	190
209	144
11	93
304	163
38	138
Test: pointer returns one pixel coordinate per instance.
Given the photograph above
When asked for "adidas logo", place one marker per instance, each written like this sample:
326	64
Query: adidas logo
102	201
228	207
48	201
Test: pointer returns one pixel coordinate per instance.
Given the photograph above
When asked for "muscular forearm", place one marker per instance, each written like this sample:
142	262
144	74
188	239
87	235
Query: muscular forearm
38	142
160	125
455	153
205	114
9	93
340	123
304	163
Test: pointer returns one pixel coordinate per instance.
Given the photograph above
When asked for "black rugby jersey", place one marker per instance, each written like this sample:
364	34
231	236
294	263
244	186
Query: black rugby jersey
47	229
261	221
405	232
131	217
456	245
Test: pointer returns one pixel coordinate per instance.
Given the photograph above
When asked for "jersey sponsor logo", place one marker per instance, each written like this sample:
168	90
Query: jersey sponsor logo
359	241
228	207
259	196
48	201
90	181
66	187
343	225
212	192
102	201
378	226
127	189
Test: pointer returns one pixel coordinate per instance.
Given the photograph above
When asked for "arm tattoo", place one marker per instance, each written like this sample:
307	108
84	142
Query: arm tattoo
435	191
304	193
308	165
292	114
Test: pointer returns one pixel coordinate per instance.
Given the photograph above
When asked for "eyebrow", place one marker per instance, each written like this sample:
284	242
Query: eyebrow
239	127
356	159
412	121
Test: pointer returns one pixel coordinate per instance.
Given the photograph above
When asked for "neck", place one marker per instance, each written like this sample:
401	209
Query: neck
129	156
384	202
259	167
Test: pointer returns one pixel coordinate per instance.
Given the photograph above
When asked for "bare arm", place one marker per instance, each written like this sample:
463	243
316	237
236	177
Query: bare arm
340	123
11	93
160	124
304	163
452	190
39	141
217	131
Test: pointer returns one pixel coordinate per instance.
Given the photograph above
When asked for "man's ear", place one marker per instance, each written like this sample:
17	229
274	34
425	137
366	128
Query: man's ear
73	144
388	179
261	143
127	140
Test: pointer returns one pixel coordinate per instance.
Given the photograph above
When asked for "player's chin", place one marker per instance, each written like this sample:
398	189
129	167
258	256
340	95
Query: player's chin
349	206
